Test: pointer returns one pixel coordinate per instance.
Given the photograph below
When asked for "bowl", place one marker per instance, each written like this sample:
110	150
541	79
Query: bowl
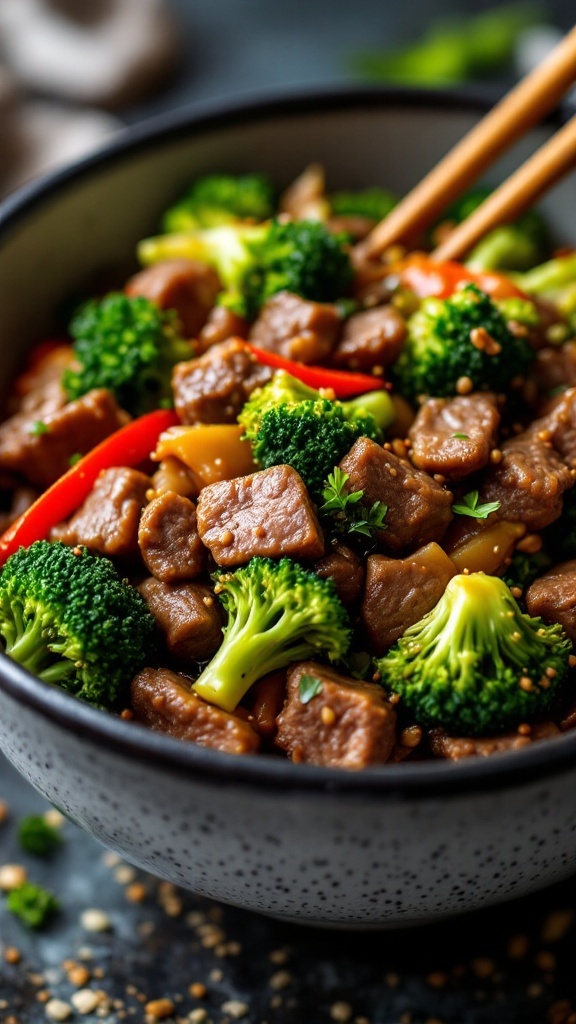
397	845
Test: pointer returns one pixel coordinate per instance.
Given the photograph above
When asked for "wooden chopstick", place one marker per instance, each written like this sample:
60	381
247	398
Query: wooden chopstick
524	106
516	194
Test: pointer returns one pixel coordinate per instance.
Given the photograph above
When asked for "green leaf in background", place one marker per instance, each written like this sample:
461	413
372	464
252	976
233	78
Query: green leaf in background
454	49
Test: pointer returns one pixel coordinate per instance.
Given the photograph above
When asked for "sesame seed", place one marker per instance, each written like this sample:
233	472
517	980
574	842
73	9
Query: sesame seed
125	874
12	955
198	1016
437	979
556	925
464	385
328	715
136	893
79	976
94	920
158	1009
4	811
54	818
278	957
11	876
198	990
341	1011
235	1008
57	1009
280	980
85	1000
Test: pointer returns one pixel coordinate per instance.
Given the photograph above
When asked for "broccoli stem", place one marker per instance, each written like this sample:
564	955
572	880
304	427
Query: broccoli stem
549	277
377	404
254	645
28	645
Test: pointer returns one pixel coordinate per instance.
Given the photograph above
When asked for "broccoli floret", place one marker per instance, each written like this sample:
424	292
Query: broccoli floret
36	836
311	437
291	424
278	613
32	904
452	50
525	568
66	616
128	345
476	664
256	261
374	203
221	199
284	389
515	246
554	281
440	347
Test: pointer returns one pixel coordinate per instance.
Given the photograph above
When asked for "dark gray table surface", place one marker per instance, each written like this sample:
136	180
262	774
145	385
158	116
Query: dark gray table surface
500	966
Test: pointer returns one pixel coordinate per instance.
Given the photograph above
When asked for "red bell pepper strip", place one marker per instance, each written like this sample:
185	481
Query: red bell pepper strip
424	276
343	384
128	446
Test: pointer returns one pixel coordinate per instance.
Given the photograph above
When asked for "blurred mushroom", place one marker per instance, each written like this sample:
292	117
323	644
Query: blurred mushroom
107	53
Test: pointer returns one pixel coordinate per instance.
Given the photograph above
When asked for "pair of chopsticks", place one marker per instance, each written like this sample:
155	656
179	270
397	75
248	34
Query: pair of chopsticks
523	107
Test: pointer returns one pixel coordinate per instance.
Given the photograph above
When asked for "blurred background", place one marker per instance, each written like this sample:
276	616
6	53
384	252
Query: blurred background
74	71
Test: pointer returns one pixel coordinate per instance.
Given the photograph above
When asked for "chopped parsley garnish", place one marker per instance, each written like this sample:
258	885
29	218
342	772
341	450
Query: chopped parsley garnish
345	510
32	904
75	458
308	687
38	428
37	836
461	437
469	506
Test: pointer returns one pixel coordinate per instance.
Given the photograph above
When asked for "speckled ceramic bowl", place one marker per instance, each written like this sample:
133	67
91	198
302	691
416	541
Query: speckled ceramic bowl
397	845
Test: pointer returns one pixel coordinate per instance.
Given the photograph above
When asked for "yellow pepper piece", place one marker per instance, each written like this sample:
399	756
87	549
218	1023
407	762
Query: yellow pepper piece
213	451
486	548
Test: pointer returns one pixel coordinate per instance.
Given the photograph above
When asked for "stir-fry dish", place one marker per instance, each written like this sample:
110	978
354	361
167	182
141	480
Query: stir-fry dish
269	494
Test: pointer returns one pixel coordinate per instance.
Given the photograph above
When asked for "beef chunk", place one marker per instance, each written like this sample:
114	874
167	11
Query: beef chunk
399	591
41	456
296	328
39	387
107	522
214	387
187	286
554	367
529	481
373	337
188	615
164	701
345	569
221	325
168	538
559	425
419	509
268	513
553	597
454	748
436	446
348	724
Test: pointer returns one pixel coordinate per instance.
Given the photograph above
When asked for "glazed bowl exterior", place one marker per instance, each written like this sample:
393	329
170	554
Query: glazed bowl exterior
397	845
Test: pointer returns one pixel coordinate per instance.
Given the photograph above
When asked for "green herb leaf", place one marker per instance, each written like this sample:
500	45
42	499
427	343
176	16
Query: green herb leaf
461	437
38	428
309	687
75	458
37	836
470	506
32	904
347	514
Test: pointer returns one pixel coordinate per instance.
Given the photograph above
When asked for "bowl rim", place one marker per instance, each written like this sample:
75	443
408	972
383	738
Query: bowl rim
128	739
